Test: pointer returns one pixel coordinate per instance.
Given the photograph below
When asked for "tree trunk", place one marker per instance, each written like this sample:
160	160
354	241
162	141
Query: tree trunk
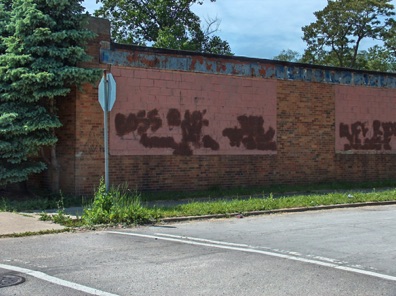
54	171
53	161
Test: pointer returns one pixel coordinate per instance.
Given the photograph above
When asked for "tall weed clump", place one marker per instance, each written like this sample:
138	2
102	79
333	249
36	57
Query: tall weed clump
118	206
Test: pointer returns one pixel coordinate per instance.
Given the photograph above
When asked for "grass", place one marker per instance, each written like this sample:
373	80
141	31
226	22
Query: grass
38	202
216	191
122	206
271	203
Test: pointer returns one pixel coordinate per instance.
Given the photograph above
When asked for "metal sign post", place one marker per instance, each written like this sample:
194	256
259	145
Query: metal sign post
107	96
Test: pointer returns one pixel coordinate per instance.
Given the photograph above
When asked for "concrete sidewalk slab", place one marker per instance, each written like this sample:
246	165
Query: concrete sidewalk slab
14	223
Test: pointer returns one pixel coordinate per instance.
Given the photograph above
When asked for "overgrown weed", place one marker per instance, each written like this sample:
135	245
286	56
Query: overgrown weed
118	205
60	217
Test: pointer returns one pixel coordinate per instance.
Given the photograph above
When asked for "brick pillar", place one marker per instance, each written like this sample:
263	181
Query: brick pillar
80	142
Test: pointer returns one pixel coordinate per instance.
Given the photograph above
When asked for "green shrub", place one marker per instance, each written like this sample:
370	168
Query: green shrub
119	205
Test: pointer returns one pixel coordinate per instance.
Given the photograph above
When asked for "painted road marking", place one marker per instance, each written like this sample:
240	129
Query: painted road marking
249	249
212	241
45	277
277	251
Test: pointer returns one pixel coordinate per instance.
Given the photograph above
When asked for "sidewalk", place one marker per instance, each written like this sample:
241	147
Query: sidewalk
17	223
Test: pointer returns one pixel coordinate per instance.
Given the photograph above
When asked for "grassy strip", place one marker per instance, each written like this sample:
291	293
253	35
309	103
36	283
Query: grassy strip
58	201
121	206
38	202
117	206
270	203
216	192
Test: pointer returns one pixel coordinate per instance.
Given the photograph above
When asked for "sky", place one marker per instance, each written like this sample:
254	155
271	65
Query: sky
257	28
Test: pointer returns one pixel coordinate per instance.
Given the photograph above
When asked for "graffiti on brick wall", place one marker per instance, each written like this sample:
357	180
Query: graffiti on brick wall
142	126
191	127
138	123
361	136
251	134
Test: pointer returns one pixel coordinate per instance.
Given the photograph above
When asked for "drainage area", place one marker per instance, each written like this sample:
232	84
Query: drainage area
7	280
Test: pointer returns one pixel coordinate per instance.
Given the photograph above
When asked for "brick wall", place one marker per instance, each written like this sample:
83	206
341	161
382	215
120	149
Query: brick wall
304	106
365	119
181	113
305	126
80	145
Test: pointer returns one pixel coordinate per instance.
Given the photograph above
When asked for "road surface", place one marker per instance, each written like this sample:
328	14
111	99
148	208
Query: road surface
335	252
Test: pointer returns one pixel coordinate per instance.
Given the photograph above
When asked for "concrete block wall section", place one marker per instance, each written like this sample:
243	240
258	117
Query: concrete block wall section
365	119
179	118
174	113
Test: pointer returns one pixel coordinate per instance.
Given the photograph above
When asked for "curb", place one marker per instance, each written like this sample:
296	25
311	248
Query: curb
33	233
277	211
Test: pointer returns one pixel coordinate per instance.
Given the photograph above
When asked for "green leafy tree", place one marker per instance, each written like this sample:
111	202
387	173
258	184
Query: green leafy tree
390	40
335	37
201	41
288	56
376	58
42	48
161	23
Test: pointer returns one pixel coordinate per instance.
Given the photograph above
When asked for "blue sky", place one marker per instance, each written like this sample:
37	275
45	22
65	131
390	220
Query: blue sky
257	28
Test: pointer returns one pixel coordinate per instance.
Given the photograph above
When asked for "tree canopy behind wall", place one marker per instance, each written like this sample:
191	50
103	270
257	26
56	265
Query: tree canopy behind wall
336	37
162	23
42	42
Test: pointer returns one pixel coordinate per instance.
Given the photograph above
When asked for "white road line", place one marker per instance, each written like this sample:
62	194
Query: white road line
203	240
215	242
319	258
229	246
45	277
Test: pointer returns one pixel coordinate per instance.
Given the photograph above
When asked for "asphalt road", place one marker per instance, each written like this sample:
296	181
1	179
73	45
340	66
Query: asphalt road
336	252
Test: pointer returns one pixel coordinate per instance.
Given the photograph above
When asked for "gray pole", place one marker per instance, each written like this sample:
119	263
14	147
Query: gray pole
106	133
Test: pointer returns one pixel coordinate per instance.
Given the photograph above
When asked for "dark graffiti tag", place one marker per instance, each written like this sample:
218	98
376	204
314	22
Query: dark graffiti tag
139	123
251	134
359	137
191	128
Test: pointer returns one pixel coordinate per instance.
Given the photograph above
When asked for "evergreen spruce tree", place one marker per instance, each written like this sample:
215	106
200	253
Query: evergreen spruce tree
42	46
5	6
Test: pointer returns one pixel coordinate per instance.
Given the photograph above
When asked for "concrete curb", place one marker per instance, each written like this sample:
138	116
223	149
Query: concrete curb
277	211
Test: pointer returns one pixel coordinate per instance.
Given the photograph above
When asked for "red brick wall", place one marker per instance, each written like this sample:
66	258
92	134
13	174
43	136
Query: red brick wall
305	124
305	128
67	141
80	145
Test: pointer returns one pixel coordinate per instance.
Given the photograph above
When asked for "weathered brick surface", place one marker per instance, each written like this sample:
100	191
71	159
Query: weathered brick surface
80	145
67	141
305	132
304	115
